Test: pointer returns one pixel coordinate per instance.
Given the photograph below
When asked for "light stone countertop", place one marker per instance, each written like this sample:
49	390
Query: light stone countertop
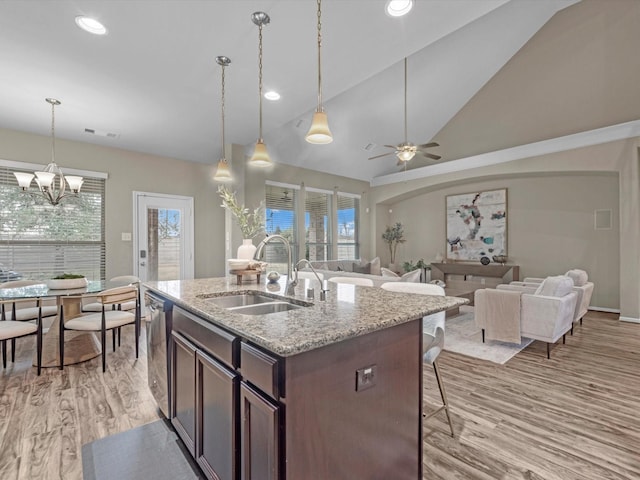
349	311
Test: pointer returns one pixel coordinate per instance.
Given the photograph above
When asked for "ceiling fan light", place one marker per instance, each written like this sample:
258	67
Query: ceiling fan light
260	157
319	132
405	155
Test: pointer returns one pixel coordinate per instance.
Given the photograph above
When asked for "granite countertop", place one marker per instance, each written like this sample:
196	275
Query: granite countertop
349	311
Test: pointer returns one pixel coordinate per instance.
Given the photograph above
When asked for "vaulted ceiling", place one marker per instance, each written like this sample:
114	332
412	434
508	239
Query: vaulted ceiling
153	82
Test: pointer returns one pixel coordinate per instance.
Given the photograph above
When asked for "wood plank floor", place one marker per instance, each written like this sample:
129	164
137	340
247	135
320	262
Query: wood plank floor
576	416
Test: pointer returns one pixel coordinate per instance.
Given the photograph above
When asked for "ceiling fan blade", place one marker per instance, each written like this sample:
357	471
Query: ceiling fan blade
395	147
429	145
383	155
430	155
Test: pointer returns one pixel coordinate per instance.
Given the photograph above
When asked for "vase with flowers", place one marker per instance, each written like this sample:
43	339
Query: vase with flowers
251	222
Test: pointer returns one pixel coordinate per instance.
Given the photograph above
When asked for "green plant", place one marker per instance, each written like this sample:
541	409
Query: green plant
250	223
68	276
393	236
410	266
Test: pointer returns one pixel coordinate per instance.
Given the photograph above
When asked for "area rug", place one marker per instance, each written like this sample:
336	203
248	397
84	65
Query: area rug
151	451
464	337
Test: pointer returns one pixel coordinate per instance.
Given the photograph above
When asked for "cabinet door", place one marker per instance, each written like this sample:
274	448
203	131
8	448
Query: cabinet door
183	390
260	437
217	404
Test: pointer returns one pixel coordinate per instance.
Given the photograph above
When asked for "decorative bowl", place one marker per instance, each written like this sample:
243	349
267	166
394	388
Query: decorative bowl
66	283
500	259
237	263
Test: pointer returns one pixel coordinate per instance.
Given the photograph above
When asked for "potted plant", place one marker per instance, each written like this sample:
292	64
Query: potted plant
251	223
410	267
393	236
67	281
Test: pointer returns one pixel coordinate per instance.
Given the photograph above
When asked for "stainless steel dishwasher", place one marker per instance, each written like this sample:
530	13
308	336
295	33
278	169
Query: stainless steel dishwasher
158	335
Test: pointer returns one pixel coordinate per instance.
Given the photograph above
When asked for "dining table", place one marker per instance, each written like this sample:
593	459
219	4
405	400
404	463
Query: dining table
79	346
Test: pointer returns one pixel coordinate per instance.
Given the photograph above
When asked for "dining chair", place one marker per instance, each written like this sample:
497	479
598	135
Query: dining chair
107	319
33	310
13	329
365	282
95	306
433	327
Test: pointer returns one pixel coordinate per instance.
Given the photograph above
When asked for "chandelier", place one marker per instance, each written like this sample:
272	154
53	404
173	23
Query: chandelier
51	182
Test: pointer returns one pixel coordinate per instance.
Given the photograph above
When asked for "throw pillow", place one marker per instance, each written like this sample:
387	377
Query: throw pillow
413	276
362	268
375	266
388	273
340	268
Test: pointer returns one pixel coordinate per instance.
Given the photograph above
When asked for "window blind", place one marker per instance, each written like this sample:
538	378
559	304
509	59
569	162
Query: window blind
39	240
280	210
317	207
348	227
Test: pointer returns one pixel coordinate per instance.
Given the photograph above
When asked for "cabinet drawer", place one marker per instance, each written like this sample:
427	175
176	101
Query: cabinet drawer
260	369
218	342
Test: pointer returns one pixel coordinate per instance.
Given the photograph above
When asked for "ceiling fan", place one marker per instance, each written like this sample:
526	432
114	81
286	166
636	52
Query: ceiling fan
406	150
285	197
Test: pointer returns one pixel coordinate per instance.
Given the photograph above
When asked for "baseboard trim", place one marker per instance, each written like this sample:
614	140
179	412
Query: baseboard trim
629	319
604	309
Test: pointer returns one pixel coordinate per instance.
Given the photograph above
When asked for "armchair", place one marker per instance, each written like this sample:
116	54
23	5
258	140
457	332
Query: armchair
581	285
545	314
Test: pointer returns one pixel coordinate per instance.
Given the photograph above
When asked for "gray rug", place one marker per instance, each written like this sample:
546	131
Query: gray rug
462	336
151	451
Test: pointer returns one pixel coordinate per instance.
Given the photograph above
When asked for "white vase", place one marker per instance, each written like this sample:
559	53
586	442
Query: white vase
247	250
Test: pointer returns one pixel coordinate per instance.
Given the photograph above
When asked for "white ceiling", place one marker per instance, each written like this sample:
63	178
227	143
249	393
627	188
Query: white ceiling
154	82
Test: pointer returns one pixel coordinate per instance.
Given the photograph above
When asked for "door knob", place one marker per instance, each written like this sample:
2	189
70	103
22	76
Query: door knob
142	264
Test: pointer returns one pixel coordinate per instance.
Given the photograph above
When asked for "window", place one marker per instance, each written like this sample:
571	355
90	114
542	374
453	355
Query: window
39	240
331	223
348	226
280	209
317	225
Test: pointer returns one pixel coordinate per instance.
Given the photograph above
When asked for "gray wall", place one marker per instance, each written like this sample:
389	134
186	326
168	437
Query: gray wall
550	226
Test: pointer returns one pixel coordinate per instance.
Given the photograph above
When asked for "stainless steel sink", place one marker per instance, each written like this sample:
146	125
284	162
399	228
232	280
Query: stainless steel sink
255	303
231	301
265	308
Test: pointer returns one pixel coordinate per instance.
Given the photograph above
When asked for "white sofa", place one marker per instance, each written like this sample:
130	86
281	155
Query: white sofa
344	268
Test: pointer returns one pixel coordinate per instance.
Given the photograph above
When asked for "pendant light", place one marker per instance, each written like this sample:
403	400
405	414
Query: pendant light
223	174
51	182
260	157
319	132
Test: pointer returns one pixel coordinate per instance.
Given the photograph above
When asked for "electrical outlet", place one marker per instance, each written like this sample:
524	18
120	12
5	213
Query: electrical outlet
126	237
366	377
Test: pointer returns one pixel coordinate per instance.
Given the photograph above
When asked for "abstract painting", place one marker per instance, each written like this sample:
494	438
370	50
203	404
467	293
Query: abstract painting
477	225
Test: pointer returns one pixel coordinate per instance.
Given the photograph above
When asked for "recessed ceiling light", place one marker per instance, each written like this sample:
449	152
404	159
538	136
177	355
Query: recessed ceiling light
398	8
272	95
91	25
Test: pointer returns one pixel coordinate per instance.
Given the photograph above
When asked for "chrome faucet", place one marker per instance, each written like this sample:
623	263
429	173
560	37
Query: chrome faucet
291	285
323	291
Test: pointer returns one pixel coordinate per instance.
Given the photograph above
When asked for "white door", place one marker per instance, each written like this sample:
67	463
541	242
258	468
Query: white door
163	243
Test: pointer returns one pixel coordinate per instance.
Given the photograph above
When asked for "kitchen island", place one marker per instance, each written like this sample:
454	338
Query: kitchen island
332	389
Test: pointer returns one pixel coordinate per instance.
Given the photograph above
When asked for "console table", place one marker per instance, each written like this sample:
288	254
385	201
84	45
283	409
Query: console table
475	275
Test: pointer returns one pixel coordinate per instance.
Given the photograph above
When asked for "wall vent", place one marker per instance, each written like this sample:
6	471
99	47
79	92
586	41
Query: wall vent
100	133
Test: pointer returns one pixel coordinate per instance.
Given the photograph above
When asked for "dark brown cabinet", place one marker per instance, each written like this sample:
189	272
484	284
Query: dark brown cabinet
183	392
260	435
216	406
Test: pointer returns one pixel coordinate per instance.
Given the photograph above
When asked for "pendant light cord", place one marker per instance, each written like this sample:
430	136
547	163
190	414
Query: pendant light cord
319	49
405	100
260	76
53	132
222	110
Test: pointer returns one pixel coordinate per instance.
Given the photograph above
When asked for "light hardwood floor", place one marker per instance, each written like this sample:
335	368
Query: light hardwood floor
576	416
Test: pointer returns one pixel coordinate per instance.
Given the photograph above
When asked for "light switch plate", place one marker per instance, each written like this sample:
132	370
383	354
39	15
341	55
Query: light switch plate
126	237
